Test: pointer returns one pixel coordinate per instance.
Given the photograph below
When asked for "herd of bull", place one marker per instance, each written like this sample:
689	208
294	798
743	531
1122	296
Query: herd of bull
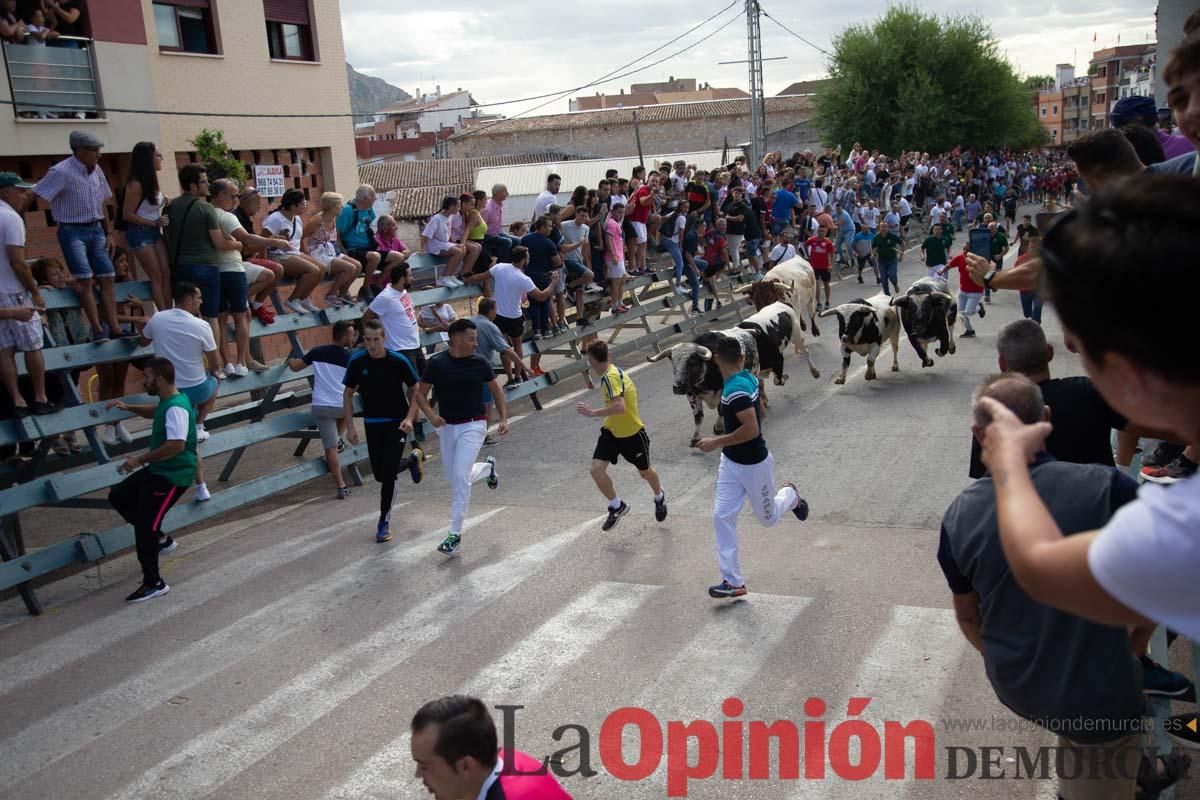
782	299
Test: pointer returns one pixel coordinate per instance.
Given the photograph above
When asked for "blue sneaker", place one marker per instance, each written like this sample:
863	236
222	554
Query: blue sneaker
451	545
1159	681
383	533
725	589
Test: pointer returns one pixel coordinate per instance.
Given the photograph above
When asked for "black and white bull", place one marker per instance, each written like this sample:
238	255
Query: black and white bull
928	313
794	292
863	327
697	375
772	328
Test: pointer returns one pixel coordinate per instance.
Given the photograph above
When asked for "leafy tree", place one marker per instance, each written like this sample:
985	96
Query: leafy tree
217	158
911	81
1035	82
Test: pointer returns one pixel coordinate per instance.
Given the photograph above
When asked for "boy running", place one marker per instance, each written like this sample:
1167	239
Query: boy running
820	256
622	435
747	468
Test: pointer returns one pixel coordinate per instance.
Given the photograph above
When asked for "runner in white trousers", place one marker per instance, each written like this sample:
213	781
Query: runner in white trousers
747	468
464	382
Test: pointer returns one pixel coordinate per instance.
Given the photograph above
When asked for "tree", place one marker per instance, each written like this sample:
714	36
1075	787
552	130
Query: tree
910	81
217	158
1035	82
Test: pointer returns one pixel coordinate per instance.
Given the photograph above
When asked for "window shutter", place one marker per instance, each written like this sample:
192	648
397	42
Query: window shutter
289	11
184	3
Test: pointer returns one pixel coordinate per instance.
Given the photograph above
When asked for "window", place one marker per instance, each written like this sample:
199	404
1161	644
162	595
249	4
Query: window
1054	110
185	26
1043	112
289	30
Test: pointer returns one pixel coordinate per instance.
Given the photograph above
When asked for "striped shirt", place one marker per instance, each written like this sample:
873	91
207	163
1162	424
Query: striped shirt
76	196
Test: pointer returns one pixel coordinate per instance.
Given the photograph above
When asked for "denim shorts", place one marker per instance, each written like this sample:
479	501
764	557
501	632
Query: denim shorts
233	292
201	393
83	247
139	236
207	279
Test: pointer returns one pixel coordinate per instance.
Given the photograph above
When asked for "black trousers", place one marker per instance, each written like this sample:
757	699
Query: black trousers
143	499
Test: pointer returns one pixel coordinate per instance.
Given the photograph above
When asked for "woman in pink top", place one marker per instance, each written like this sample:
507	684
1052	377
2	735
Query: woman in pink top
392	251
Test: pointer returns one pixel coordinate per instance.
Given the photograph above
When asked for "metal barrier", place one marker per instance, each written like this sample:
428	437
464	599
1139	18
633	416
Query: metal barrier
53	81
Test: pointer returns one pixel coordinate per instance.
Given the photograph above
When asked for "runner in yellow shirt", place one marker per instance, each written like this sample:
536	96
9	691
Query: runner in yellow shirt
622	435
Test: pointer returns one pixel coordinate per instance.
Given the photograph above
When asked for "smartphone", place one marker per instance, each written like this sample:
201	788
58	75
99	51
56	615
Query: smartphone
981	242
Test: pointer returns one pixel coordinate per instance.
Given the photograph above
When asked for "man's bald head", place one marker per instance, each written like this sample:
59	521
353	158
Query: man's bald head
1015	392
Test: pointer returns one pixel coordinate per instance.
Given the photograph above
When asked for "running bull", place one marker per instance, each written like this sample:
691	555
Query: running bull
928	314
697	375
772	328
792	282
863	327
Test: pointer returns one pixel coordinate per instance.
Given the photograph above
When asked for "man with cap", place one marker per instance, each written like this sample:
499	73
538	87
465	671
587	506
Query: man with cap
19	290
1140	110
76	189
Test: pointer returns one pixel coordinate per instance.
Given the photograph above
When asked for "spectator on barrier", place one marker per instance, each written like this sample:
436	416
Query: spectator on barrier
715	247
63	16
13	30
259	274
142	212
544	261
392	251
437	240
614	256
1141	565
577	252
39	33
394	308
510	284
18	289
354	229
548	197
329	368
457	752
287	223
262	274
558	305
187	342
234	287
578	200
320	238
65	326
469	229
194	239
1076	678
694	265
76	189
111	376
436	318
489	345
641	206
517	230
735	211
496	242
673	226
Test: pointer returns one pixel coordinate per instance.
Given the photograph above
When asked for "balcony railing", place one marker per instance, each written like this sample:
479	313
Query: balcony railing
53	81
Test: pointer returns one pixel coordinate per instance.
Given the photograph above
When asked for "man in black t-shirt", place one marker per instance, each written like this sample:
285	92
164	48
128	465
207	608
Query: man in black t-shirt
459	376
377	373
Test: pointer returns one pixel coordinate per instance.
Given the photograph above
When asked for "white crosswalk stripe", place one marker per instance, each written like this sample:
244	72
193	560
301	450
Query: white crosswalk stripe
530	667
199	769
65	731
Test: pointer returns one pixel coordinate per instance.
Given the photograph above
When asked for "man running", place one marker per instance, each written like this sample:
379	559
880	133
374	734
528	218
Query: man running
144	498
747	468
623	435
934	250
377	374
459	376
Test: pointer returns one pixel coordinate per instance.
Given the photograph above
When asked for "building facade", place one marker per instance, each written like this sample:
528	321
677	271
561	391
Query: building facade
1106	69
673	90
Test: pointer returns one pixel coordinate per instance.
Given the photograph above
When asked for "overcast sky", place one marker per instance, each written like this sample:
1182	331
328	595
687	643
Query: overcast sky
499	53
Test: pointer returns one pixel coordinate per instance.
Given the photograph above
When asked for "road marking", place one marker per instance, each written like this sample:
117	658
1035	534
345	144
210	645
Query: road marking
530	668
67	730
89	639
215	757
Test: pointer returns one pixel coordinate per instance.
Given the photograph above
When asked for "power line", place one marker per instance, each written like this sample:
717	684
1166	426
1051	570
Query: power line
798	36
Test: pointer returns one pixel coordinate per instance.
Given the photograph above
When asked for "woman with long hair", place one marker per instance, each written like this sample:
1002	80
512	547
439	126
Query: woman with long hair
141	210
285	222
578	200
320	237
469	226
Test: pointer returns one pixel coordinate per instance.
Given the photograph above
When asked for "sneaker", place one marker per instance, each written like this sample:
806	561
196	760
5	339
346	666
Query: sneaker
660	508
383	531
341	445
490	440
109	436
1177	470
726	589
241	370
801	509
308	305
537	336
343	492
982	312
1159	681
446	283
1184	729
60	446
102	334
493	480
967	334
41	407
1164	454
22	411
333	301
820	308
583	323
202	493
122	433
416	465
451	545
167	545
264	314
860	280
594	287
148	592
988	299
346	299
614	515
293	307
695	312
230	370
201	433
255	365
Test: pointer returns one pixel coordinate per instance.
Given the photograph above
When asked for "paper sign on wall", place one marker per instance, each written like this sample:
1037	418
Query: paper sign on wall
268	179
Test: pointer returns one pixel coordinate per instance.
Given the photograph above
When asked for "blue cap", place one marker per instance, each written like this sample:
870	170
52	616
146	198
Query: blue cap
1133	109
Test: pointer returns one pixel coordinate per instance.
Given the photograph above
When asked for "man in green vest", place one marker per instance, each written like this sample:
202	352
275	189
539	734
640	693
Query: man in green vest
145	497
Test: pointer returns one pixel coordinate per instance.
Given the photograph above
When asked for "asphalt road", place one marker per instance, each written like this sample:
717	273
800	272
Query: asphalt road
292	650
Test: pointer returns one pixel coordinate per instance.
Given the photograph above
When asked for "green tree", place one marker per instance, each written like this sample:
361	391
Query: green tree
911	81
217	158
1035	82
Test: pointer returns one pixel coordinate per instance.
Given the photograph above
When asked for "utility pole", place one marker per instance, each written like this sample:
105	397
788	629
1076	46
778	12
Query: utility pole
758	122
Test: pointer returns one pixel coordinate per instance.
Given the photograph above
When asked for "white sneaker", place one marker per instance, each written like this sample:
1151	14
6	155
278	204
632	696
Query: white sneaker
230	370
594	287
455	282
109	436
309	305
294	306
123	433
201	434
446	283
202	493
241	371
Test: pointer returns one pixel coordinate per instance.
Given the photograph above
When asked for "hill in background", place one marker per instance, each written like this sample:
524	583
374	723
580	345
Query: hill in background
368	94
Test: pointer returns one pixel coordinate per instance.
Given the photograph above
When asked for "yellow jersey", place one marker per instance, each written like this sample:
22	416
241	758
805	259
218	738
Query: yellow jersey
614	384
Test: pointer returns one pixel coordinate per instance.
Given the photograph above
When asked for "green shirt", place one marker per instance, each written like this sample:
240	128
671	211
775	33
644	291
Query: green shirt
179	469
887	246
935	251
189	221
999	241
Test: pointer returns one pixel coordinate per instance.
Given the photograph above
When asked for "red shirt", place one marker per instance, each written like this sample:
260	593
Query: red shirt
820	252
636	211
965	284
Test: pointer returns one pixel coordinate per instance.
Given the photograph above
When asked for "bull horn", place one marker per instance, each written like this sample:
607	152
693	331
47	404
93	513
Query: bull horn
781	285
660	356
704	353
829	312
942	295
747	289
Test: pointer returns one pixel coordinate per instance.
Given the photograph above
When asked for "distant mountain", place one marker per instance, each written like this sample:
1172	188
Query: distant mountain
368	95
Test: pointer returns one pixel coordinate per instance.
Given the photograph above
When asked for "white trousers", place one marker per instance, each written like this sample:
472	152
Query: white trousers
735	484
460	446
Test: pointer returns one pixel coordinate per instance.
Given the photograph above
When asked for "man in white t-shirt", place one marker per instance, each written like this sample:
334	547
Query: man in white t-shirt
18	289
183	338
394	308
548	197
509	285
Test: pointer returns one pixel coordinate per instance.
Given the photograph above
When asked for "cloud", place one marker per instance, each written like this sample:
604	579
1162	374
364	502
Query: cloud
509	49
